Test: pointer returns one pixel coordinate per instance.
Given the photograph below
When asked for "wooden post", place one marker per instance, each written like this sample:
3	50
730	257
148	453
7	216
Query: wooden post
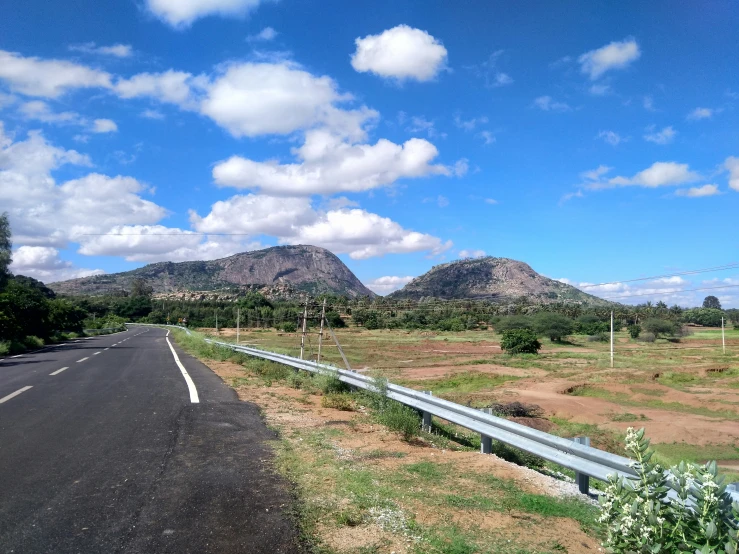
305	327
320	333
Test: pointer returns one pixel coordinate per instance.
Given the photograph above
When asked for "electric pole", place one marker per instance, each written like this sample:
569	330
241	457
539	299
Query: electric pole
305	327
320	333
216	312
723	336
238	324
611	338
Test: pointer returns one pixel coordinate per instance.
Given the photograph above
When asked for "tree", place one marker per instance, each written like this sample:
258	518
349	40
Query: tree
711	302
659	327
554	326
520	341
140	288
514	322
5	250
708	317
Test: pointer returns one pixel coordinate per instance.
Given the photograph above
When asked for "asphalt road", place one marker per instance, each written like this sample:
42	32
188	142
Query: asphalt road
103	451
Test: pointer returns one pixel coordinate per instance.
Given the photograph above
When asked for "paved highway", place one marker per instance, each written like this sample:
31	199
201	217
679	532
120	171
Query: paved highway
105	447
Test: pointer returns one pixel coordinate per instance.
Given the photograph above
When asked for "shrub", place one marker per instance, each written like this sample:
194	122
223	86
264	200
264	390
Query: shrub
634	331
591	325
338	401
520	341
329	383
4	347
648	337
400	418
32	342
599	337
289	327
708	317
554	326
451	324
514	322
640	517
659	327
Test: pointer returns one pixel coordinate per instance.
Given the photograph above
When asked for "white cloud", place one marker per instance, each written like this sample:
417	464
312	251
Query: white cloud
487	137
700	113
400	53
615	55
117	50
469	124
419	124
40	111
43	263
697	192
595	174
665	136
252	99
611	137
732	166
152	114
471	253
265	35
442	201
6	100
175	87
489	71
48	78
600	89
659	174
327	164
648	103
181	13
292	220
104	126
491	201
547	103
501	80
387	284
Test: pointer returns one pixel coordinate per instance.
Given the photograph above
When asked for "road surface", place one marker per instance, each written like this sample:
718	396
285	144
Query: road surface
103	450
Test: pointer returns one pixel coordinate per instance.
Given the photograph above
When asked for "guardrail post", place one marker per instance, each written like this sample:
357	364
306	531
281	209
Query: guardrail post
486	443
426	423
582	480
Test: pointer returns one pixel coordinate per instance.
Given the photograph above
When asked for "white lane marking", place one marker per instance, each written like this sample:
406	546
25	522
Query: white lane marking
106	348
18	356
16	393
83	359
190	385
58	371
96	353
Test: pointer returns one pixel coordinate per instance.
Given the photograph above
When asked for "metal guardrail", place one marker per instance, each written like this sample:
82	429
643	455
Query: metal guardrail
581	458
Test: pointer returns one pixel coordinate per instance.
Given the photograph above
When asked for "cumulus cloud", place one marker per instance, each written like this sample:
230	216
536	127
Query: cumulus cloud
732	166
293	220
48	78
174	87
595	174
700	113
265	35
387	284
39	110
615	55
43	263
116	50
549	104
665	136
659	174
181	13
152	114
252	99
469	124
697	192
104	126
400	53
328	164
471	253
611	137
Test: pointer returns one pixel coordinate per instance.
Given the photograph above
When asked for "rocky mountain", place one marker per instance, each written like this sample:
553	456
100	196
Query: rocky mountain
491	279
306	269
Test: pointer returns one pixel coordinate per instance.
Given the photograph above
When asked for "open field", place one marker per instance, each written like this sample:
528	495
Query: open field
686	394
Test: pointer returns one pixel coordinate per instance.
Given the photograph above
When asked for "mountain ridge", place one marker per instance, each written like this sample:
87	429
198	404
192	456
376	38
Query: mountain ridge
307	269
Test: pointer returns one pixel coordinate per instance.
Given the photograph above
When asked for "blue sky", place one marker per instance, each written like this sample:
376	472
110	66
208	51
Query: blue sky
596	142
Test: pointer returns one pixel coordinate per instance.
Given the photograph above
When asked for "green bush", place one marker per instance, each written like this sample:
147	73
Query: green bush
634	331
338	401
708	317
663	327
509	323
289	327
599	337
4	347
400	418
329	383
520	341
591	325
554	326
31	342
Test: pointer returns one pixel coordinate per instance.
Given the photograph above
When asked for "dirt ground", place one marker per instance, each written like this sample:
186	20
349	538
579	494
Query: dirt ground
290	409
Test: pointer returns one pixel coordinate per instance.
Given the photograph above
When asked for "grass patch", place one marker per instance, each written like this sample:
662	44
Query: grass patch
465	383
628	416
338	401
428	471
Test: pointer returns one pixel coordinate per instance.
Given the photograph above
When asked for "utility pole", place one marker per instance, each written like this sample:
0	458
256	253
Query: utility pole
305	327
238	324
611	338
216	312
723	336
320	333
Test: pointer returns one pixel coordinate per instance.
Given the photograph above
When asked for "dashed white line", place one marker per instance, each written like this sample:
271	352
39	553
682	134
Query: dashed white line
13	395
96	353
58	371
106	348
83	359
18	356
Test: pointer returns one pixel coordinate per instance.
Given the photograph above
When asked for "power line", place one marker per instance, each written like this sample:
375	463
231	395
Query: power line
689	272
668	292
